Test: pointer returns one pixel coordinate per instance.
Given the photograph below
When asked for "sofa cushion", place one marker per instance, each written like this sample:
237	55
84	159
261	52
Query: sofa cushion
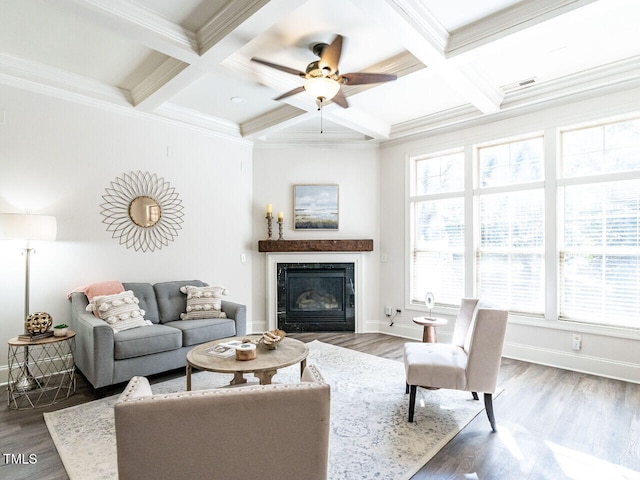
147	297
171	301
146	341
203	302
195	332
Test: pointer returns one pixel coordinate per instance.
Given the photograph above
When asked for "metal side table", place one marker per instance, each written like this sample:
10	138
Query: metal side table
41	372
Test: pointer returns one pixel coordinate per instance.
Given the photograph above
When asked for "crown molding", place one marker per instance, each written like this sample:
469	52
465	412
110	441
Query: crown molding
42	78
603	76
452	116
200	121
604	80
506	22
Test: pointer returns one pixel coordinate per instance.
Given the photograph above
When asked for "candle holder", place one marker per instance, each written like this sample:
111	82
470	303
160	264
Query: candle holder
280	223
269	218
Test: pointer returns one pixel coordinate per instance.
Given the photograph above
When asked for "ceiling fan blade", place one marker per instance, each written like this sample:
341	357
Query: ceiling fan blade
340	99
365	78
330	56
290	92
292	71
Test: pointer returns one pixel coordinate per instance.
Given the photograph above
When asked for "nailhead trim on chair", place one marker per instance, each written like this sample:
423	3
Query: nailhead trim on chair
220	391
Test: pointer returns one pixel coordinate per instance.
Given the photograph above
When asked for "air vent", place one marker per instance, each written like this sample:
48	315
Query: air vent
520	84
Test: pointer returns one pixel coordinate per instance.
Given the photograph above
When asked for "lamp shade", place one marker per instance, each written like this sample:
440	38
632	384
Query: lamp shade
22	226
322	87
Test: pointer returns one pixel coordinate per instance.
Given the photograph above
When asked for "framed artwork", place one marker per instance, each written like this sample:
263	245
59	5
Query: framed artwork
315	207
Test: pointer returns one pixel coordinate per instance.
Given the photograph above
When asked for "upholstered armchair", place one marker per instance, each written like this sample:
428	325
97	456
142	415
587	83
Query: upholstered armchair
471	362
254	432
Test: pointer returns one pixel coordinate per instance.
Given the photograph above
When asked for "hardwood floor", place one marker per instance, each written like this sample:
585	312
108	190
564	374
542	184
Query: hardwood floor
552	424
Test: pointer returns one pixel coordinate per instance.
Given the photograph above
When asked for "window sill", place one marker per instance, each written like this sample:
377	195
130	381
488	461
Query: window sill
576	327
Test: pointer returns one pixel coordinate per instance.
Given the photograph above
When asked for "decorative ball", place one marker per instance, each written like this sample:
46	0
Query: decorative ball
38	322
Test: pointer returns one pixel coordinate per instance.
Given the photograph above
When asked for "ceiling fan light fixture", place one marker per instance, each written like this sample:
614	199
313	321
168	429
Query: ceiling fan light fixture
321	88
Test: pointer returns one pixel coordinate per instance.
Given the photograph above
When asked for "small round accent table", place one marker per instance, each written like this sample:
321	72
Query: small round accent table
429	324
41	372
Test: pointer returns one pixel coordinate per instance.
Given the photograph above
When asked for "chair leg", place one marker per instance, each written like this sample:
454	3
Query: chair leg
412	401
475	395
488	405
406	390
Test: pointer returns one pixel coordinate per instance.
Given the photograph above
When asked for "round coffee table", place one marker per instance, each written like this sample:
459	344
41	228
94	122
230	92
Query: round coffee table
263	367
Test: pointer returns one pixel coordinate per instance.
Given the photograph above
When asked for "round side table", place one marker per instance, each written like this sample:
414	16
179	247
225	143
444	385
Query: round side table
41	372
429	327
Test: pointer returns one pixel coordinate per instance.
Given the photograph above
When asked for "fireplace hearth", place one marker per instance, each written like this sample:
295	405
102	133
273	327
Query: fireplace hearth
315	297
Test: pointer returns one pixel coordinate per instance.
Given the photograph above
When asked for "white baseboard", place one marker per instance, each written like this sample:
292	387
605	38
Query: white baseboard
577	362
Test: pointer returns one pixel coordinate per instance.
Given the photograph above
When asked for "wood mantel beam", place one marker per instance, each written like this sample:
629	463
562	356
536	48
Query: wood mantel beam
365	245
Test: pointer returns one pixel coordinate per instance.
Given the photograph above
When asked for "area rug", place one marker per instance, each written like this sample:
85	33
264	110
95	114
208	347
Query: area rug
370	436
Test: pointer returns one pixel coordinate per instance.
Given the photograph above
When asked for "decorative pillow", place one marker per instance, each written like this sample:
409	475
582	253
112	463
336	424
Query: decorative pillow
120	311
203	302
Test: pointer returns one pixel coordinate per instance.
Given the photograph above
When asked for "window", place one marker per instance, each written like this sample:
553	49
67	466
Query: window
600	247
437	219
491	221
510	244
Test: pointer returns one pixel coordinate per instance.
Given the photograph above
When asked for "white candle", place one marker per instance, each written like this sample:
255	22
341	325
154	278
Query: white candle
280	216
269	208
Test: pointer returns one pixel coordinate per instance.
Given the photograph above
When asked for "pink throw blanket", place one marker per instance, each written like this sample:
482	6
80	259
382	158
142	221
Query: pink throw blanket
91	290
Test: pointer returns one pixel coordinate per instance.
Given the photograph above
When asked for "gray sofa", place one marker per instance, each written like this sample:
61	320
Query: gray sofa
107	358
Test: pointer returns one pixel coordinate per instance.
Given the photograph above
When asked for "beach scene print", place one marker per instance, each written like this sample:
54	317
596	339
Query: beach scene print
315	207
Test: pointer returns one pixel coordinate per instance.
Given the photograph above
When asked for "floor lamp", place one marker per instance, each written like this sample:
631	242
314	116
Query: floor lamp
26	227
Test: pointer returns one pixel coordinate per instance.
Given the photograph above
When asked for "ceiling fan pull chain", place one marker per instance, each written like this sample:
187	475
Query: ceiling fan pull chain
321	118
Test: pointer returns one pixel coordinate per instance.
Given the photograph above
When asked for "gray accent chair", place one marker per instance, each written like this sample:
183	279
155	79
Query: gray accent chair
261	432
471	362
106	358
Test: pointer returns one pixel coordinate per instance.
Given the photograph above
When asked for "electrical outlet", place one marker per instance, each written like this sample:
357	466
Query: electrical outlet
576	342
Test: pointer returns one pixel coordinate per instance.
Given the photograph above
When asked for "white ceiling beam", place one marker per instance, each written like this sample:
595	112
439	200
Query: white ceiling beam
412	25
272	121
143	25
421	34
518	17
220	37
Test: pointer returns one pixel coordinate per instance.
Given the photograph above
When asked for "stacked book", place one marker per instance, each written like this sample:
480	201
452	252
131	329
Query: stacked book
32	337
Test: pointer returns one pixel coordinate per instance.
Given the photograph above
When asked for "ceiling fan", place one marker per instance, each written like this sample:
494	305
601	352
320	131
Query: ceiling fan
322	78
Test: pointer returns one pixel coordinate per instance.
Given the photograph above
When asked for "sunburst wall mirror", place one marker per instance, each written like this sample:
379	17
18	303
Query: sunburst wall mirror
142	210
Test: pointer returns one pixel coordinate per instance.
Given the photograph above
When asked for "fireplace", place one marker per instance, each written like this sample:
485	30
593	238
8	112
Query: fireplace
315	297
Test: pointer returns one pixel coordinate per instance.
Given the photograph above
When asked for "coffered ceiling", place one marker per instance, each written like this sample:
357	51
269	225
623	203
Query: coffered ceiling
188	61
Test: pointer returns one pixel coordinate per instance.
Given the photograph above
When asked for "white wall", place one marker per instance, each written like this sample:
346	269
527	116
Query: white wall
607	352
57	158
355	170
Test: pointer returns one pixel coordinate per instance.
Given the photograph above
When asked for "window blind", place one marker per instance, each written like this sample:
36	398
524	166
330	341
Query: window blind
600	257
510	253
